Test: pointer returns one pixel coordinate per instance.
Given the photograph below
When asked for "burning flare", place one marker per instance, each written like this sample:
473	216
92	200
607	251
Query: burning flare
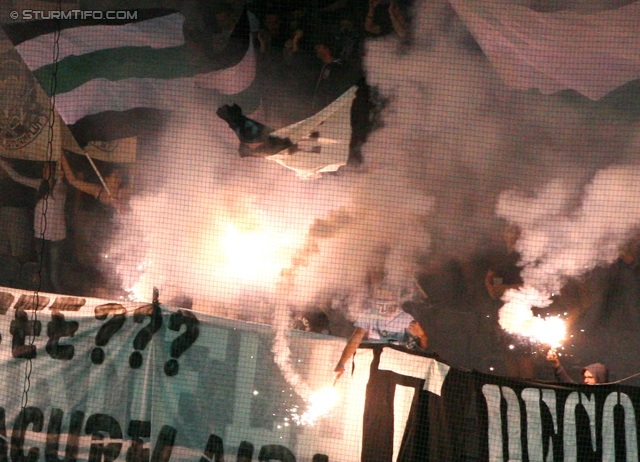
320	403
257	253
517	318
549	331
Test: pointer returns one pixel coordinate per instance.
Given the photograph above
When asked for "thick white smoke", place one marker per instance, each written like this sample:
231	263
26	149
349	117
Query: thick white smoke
183	231
215	227
479	144
221	229
560	242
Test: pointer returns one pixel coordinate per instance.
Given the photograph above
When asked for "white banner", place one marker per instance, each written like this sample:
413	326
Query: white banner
130	381
321	141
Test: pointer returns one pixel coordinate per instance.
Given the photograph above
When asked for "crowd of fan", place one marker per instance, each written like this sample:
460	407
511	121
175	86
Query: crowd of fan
458	307
309	53
55	222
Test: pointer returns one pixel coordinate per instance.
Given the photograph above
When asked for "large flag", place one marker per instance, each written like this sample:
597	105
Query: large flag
318	144
25	114
142	61
591	53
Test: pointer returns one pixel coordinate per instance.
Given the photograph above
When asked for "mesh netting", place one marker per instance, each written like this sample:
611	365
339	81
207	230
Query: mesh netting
319	231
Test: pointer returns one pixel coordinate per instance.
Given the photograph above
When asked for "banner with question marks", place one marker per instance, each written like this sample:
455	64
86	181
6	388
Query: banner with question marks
99	380
91	379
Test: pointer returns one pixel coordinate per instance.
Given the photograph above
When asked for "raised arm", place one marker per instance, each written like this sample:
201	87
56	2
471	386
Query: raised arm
350	348
558	370
15	176
400	24
84	186
416	330
369	25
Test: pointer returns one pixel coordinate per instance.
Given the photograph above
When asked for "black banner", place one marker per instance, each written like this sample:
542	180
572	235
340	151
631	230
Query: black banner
482	417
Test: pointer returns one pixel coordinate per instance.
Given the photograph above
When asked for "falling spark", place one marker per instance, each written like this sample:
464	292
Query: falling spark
135	293
320	404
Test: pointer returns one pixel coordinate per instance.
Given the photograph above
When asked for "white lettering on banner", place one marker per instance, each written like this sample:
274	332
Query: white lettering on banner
434	372
492	397
533	404
570	437
608	430
537	399
513	423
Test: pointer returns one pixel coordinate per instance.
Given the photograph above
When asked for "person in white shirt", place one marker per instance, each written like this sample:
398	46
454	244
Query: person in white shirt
385	322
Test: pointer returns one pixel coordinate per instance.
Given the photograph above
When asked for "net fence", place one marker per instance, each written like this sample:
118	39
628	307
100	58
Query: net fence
319	231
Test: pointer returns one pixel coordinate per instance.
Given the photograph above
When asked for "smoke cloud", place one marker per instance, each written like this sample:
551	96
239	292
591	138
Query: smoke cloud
456	154
559	242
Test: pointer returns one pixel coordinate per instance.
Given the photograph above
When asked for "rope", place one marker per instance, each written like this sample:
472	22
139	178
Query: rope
621	380
33	315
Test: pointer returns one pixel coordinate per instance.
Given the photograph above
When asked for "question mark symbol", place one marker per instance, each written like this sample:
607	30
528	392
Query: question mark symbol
108	329
145	335
184	341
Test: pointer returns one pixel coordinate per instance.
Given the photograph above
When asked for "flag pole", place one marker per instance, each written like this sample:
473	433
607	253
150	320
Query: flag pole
422	292
104	185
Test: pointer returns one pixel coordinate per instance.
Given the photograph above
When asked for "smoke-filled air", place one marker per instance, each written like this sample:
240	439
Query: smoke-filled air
455	156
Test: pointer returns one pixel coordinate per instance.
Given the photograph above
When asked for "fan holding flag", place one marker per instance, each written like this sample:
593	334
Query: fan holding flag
112	192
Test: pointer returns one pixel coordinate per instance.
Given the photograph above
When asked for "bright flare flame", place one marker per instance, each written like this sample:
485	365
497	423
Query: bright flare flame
549	331
517	318
321	402
255	254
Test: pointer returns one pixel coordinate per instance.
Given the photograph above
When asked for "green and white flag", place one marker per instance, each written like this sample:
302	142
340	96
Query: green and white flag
117	65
